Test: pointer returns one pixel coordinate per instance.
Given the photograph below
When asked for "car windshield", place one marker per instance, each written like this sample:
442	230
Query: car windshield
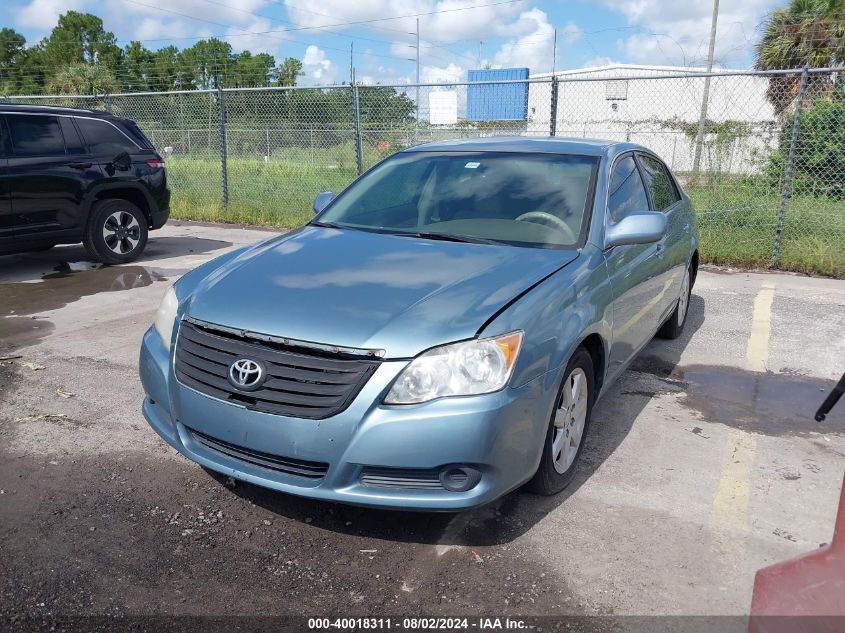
515	198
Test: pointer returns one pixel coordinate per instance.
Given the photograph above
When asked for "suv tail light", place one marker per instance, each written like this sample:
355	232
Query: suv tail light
155	163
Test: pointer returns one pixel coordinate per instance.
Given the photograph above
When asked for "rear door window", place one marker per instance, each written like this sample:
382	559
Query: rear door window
73	143
104	139
35	135
659	183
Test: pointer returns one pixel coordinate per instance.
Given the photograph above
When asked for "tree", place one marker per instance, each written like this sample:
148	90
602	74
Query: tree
805	34
79	38
211	62
288	72
251	70
138	67
81	79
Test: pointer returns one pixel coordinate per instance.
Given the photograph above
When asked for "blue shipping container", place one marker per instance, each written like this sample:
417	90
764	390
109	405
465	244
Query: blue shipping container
497	102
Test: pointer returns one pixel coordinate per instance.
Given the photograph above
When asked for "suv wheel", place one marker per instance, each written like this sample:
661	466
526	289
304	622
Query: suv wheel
116	232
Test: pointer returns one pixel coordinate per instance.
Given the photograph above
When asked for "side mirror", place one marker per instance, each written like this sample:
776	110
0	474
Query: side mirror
637	228
322	201
122	161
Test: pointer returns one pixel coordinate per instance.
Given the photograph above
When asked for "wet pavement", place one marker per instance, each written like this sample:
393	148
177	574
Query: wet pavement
698	470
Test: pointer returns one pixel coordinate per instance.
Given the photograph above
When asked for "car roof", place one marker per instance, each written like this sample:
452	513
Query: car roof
541	144
42	109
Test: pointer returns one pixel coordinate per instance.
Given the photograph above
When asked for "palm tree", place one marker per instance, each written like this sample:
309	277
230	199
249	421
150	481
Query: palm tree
83	79
805	34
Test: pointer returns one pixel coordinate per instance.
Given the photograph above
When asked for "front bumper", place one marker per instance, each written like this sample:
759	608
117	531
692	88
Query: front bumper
500	434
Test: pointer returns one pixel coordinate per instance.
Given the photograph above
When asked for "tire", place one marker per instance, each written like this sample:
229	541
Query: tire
675	323
109	220
557	471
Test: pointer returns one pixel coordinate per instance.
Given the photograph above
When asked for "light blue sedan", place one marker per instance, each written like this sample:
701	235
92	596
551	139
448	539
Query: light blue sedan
438	335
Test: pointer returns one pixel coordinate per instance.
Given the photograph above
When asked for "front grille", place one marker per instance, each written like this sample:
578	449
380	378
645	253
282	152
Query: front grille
301	382
405	478
285	465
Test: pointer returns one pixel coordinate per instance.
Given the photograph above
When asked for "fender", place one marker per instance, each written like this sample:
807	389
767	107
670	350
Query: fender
90	196
557	315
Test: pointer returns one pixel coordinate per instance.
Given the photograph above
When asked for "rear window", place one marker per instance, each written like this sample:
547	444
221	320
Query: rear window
137	135
35	135
105	139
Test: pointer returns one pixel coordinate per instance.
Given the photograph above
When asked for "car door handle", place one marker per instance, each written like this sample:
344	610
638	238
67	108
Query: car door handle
79	165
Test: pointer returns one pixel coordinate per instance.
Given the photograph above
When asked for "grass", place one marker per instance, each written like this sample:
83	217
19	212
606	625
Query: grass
737	220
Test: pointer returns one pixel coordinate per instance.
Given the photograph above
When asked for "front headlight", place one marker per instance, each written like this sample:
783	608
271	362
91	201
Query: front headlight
166	316
467	368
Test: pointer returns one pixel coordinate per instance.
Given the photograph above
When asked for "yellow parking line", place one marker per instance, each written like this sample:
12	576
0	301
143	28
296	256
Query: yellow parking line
730	504
757	352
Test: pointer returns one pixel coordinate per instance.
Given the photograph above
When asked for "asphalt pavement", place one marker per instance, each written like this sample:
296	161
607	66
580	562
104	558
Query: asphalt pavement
703	464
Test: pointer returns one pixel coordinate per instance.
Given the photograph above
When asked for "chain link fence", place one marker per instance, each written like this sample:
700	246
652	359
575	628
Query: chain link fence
761	154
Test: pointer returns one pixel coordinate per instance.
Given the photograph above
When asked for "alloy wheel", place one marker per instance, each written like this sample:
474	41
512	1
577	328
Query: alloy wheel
570	420
121	232
683	301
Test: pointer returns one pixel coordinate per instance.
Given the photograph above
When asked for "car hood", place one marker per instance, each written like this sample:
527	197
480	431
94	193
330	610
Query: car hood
369	290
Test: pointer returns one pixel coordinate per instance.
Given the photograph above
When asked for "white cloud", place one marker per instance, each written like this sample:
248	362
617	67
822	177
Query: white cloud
448	25
677	33
150	28
442	74
43	14
318	69
533	45
571	33
599	60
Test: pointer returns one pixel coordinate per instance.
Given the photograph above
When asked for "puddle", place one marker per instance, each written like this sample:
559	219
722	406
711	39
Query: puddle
16	332
179	246
773	404
68	284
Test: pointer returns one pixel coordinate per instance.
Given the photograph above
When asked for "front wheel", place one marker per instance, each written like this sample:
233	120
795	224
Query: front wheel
675	323
568	427
116	232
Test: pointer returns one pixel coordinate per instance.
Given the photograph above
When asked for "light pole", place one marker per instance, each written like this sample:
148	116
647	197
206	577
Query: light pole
699	137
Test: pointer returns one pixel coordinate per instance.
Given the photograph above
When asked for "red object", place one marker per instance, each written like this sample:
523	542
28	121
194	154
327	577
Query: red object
155	164
806	593
382	146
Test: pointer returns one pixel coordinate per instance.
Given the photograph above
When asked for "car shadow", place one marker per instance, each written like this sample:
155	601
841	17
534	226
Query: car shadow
506	518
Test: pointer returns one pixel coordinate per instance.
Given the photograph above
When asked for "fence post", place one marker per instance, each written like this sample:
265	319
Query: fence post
787	170
356	113
221	118
553	111
107	102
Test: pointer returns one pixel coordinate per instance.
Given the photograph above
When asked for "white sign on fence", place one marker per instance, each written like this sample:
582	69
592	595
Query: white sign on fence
443	107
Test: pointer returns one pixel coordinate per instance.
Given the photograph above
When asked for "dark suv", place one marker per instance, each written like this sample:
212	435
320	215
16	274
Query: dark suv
69	175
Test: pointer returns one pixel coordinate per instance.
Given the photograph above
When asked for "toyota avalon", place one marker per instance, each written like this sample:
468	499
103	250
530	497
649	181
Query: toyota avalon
437	335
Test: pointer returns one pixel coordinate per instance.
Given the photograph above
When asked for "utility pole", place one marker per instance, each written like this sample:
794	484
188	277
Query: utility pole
351	63
554	52
417	121
699	138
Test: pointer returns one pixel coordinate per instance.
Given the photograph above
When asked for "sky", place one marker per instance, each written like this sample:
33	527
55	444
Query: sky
455	35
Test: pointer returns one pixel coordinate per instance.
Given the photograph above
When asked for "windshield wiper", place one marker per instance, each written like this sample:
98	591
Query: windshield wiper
327	225
448	237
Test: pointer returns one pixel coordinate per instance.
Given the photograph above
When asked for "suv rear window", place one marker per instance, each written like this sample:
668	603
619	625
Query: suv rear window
137	135
35	135
105	139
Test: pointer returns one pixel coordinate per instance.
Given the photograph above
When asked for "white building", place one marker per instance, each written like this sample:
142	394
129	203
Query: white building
659	107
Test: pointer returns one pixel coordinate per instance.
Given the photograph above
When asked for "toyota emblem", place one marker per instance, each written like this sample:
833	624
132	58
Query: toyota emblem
246	374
